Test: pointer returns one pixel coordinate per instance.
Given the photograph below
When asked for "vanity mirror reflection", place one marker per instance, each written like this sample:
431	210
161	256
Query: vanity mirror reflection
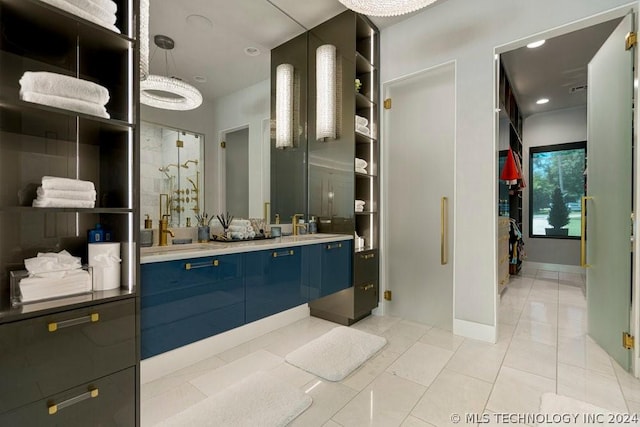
223	49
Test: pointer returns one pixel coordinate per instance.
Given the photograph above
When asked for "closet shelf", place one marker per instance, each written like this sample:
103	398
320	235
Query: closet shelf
364	139
363	102
31	209
363	65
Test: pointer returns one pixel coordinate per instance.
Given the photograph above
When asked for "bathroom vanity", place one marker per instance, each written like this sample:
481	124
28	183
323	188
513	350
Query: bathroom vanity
192	292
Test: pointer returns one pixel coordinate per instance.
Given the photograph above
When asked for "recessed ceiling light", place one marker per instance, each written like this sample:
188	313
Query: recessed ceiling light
200	79
535	44
542	101
199	21
252	51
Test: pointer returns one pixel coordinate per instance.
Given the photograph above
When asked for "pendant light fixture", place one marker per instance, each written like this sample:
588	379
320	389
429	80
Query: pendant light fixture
385	7
182	96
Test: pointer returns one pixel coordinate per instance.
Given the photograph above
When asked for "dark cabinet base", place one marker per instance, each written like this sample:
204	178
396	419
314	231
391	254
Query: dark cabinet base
338	308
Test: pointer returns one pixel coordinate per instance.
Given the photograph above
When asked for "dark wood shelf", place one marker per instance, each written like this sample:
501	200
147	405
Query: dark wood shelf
364	139
31	209
363	102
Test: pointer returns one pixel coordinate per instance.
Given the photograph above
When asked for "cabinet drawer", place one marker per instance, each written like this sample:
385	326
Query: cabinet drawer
366	267
42	356
365	298
108	401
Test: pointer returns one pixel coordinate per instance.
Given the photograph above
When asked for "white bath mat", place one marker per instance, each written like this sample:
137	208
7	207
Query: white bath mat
560	410
337	353
258	400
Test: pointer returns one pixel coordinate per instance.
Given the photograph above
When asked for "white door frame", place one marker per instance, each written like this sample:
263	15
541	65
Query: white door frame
618	12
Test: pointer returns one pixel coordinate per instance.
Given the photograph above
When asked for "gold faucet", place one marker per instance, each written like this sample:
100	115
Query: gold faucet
295	225
163	230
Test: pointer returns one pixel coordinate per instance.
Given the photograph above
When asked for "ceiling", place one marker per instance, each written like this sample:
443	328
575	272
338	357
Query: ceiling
557	70
211	36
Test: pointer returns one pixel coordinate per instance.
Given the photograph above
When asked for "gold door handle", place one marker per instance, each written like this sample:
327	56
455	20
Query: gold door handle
444	210
583	231
334	246
91	318
190	266
53	408
282	253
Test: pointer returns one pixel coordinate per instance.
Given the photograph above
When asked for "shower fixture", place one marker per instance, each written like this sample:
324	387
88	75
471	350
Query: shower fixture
185	164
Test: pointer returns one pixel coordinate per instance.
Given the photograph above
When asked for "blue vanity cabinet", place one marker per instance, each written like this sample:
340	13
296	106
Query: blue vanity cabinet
330	268
187	300
275	281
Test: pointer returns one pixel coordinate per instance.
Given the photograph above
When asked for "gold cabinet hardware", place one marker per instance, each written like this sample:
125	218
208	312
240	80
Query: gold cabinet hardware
283	253
368	256
367	286
444	212
190	266
387	295
91	318
630	40
583	232
627	340
334	246
53	408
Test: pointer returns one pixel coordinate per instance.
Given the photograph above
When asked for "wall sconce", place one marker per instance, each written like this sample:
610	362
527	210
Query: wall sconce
284	106
326	92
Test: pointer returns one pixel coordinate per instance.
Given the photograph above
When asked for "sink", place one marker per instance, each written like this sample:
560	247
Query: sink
182	248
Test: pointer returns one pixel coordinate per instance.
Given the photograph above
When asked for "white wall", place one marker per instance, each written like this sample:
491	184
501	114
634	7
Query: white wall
468	32
555	127
247	107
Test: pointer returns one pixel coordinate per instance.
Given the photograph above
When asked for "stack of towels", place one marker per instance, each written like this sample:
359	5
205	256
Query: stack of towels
361	165
54	275
60	91
241	229
362	125
58	192
101	12
359	205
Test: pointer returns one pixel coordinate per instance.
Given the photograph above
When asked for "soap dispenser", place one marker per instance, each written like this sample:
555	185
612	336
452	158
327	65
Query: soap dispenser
146	235
313	225
96	234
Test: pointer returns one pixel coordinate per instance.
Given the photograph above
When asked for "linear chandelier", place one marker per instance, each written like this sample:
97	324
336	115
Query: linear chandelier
385	7
182	96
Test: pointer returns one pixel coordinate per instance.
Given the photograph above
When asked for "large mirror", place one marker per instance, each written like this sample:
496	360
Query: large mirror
223	49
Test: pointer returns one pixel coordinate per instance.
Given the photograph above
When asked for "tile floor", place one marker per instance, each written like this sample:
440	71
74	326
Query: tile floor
425	374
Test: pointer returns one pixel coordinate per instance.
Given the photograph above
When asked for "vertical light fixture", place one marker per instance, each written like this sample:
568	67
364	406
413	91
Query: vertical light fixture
144	39
326	92
284	106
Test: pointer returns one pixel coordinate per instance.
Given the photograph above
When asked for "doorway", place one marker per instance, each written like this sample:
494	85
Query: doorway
419	191
236	155
612	275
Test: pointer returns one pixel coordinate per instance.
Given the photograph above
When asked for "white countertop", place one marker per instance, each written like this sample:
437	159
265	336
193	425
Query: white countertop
196	250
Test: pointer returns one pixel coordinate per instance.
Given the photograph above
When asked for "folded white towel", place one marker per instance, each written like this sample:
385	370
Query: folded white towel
92	7
75	10
48	83
359	203
77	105
63	203
363	130
362	121
107	5
361	163
58	183
49	193
361	170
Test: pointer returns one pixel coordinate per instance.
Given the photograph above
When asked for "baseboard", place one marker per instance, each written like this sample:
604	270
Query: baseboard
553	267
158	366
476	331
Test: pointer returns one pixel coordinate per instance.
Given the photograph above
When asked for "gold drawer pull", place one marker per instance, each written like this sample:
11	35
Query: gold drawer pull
367	256
54	326
91	394
367	286
334	246
283	253
189	266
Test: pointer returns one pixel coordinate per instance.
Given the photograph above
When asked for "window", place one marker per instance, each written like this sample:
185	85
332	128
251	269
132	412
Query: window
557	184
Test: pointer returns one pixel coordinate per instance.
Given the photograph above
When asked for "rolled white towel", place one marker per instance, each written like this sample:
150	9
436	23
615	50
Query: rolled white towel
238	235
58	183
363	130
361	170
361	163
240	221
77	105
251	234
63	203
48	83
75	10
360	202
49	193
94	8
237	228
362	121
